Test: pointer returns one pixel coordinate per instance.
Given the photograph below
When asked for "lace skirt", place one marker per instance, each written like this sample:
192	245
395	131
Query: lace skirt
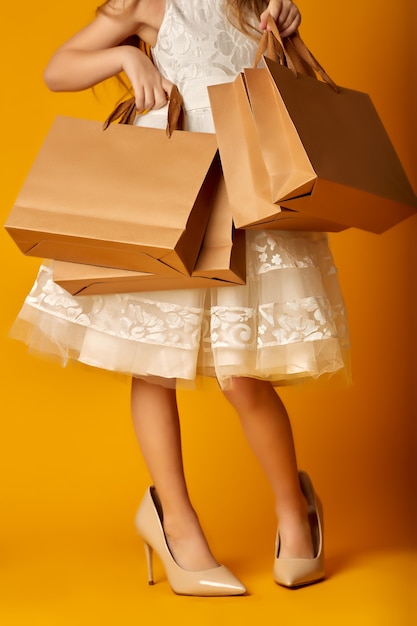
288	322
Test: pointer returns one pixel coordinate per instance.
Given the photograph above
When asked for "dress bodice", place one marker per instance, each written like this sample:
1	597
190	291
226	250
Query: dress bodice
197	46
197	40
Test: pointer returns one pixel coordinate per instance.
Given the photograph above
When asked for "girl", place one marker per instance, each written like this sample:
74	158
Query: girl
286	323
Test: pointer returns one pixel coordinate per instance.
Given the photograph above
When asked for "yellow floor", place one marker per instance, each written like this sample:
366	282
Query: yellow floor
72	479
76	580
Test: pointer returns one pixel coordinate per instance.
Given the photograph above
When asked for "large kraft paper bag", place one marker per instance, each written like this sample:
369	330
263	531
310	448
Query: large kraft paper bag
221	262
128	197
325	150
247	178
341	162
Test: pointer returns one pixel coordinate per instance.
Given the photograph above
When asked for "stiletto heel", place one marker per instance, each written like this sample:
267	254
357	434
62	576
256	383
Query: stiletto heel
298	572
149	563
217	581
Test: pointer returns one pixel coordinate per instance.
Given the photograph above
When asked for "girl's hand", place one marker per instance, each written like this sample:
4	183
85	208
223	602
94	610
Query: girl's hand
286	15
150	88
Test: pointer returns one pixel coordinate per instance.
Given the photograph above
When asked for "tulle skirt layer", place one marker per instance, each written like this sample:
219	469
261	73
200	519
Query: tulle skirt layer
287	323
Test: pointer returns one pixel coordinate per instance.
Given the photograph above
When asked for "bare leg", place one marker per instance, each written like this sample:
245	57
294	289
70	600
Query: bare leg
157	427
268	430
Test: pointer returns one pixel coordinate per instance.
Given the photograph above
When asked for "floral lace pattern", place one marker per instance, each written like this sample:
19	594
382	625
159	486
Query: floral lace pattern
305	320
308	319
196	41
231	327
296	316
311	316
277	250
128	316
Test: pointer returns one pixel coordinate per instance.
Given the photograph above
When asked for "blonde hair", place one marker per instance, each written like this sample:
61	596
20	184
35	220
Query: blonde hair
242	12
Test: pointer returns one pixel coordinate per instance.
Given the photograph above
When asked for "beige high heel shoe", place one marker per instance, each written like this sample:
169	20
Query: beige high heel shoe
298	572
217	581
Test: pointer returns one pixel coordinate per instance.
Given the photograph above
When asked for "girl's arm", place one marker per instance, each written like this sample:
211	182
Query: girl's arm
94	54
286	15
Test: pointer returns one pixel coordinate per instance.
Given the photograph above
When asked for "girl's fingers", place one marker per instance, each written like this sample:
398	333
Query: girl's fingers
290	25
151	96
145	99
160	99
139	99
166	86
286	15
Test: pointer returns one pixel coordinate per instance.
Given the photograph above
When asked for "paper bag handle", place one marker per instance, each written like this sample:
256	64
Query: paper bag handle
291	52
125	112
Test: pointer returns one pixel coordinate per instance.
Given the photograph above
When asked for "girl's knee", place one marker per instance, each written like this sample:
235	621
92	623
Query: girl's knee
246	392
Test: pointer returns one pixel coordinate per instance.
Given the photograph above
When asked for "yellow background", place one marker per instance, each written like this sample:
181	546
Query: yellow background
71	473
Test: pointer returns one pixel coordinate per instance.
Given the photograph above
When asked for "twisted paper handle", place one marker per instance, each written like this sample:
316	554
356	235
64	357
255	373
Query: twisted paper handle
125	112
291	52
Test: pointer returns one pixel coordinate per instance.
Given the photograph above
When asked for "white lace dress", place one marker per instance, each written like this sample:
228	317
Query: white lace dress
288	322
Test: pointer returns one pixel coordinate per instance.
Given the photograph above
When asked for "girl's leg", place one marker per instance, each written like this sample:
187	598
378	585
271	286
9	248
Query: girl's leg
157	427
268	430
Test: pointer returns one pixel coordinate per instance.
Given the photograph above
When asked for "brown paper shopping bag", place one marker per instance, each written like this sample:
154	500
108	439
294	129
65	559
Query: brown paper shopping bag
247	178
128	197
358	178
325	148
221	262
